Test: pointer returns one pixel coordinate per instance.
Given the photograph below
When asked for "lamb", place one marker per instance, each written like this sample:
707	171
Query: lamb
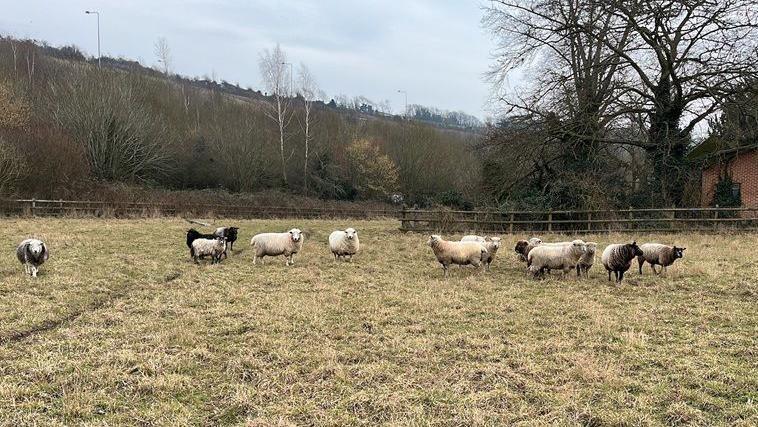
32	253
587	260
617	258
461	253
215	248
658	254
492	246
555	257
273	244
344	243
229	234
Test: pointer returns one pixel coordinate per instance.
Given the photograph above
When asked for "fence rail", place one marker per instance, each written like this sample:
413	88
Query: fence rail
624	220
33	207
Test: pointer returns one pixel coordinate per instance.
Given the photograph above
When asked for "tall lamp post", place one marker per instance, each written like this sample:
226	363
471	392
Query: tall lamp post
292	91
406	101
94	12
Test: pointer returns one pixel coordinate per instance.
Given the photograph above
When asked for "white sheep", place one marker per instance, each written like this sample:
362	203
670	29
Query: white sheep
534	241
214	248
585	263
658	254
344	244
461	253
555	257
492	246
32	253
274	244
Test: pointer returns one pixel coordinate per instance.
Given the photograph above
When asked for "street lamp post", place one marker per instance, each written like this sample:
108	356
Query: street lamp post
406	101
292	92
94	12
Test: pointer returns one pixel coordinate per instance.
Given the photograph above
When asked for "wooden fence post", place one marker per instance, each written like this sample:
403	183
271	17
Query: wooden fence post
550	221
589	221
510	224
34	207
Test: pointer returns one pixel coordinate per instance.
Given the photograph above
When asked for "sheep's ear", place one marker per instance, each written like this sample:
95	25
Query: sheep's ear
682	248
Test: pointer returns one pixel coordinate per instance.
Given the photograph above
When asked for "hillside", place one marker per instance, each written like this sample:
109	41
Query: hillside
71	128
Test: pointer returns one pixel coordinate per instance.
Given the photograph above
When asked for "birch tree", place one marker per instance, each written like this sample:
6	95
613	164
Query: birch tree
274	72
309	91
163	53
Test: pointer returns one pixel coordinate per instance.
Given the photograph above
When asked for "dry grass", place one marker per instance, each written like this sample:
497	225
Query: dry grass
112	334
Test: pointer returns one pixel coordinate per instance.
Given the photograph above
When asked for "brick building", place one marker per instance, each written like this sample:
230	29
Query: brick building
741	164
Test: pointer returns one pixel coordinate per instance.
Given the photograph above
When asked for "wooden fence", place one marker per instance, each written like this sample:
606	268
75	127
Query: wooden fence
32	207
640	220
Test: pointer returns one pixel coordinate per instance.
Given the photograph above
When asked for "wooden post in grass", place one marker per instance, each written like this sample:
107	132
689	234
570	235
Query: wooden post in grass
550	221
510	224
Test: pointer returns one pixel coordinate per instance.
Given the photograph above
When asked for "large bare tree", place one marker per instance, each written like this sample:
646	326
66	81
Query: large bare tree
570	96
274	71
687	57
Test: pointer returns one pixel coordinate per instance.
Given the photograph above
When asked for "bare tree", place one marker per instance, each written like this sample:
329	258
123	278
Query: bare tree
686	57
309	91
163	53
570	102
273	68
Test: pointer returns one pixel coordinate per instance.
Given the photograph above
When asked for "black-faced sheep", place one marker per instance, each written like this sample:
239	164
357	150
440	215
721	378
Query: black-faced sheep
617	258
32	253
215	248
344	244
461	253
562	257
273	244
658	254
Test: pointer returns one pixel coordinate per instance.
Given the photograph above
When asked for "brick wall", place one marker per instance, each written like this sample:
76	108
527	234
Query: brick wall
743	169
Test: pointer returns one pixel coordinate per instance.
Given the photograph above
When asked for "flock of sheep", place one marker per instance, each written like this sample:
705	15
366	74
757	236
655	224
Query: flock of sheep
540	257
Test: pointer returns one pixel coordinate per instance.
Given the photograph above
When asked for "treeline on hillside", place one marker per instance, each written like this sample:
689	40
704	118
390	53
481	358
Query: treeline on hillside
67	127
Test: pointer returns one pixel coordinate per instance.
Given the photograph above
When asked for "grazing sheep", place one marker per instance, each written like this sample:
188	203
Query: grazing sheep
461	253
617	258
32	253
273	244
492	246
473	238
555	257
344	243
523	247
587	260
215	248
658	254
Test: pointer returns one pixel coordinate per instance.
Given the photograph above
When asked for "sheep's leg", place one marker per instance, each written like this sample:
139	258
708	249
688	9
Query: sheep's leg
26	269
34	271
652	266
349	258
444	271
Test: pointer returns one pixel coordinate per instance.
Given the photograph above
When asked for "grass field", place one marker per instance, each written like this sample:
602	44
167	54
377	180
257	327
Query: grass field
121	329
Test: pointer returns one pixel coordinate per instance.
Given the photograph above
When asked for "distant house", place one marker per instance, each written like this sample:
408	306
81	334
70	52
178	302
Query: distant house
740	163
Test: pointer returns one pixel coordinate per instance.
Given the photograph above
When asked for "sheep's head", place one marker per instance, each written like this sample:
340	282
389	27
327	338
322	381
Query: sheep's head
579	246
521	246
591	247
36	247
296	234
635	249
350	233
434	239
495	242
678	252
535	241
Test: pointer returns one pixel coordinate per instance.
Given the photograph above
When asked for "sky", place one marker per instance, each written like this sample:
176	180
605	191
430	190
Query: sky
436	50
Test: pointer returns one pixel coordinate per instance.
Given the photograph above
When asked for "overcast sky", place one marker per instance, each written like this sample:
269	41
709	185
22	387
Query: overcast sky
434	49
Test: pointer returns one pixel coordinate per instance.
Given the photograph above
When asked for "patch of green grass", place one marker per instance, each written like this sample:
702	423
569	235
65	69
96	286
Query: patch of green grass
121	328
